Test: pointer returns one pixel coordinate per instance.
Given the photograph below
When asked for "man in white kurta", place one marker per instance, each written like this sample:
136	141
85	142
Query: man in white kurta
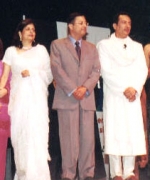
124	71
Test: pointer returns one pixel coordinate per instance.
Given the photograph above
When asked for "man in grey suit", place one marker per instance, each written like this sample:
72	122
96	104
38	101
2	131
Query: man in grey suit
76	76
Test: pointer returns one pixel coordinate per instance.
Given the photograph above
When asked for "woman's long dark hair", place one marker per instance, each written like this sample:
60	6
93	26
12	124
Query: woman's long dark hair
16	39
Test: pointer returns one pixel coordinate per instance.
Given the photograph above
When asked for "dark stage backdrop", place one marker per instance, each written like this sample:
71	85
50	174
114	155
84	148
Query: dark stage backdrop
46	32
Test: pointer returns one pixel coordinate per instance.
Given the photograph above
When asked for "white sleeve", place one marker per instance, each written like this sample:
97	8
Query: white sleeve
110	76
8	56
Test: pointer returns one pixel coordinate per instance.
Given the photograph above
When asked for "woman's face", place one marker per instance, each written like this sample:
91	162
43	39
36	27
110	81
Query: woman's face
28	33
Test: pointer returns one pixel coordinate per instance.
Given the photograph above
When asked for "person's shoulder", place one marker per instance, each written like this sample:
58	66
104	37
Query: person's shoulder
59	41
88	44
10	52
135	43
147	47
40	46
103	42
10	49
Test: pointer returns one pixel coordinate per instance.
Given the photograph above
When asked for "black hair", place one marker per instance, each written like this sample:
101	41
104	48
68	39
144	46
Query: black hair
116	17
16	39
72	17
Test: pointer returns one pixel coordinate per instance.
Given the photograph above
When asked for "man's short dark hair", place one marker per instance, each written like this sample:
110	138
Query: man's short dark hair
72	17
116	17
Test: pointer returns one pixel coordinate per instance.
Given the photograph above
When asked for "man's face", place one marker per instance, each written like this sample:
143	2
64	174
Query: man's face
78	29
123	27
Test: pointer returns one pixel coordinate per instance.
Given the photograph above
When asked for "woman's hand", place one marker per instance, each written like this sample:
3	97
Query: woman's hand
3	92
25	73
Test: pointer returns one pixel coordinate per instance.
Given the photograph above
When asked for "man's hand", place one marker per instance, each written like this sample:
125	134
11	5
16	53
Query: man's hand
25	73
80	92
130	94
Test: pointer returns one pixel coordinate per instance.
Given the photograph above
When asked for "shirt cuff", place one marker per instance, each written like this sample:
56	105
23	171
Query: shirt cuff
71	92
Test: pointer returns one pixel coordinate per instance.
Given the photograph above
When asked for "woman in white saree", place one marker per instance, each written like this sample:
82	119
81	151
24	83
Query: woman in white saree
31	74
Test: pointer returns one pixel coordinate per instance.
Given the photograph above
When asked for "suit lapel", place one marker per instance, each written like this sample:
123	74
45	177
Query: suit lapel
83	50
71	48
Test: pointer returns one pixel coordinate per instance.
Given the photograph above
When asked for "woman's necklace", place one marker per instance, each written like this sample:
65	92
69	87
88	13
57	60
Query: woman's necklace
26	47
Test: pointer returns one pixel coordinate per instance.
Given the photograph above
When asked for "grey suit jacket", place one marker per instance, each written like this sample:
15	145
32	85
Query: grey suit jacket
69	73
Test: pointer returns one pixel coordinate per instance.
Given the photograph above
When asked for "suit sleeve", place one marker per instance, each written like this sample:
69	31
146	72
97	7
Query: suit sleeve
93	77
60	76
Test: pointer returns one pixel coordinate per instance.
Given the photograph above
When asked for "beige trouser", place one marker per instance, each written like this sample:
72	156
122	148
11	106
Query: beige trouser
121	166
76	131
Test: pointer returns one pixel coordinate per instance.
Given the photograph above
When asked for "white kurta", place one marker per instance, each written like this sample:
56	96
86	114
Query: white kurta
29	111
123	65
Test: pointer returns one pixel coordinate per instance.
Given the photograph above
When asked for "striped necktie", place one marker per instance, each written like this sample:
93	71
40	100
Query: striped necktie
78	49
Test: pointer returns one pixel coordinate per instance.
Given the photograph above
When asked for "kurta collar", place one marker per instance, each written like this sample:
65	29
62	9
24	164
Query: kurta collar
123	56
121	41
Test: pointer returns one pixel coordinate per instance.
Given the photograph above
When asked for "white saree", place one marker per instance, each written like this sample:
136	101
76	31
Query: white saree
29	112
